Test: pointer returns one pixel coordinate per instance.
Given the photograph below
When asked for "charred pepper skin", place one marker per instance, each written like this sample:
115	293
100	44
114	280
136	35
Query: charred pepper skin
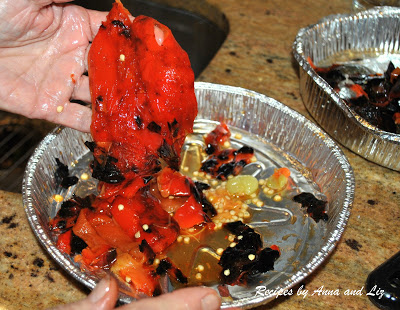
246	258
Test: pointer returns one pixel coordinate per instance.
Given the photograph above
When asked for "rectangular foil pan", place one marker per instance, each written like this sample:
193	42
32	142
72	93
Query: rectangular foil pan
280	137
371	38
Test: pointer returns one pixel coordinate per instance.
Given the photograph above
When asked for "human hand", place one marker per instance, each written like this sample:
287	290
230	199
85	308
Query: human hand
105	295
43	55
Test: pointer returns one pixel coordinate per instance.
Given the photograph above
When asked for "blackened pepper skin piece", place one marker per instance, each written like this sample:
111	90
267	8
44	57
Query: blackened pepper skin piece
315	207
175	273
247	258
77	245
62	175
107	171
208	207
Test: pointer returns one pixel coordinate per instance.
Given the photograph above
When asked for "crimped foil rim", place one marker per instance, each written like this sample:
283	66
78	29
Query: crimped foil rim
330	241
298	53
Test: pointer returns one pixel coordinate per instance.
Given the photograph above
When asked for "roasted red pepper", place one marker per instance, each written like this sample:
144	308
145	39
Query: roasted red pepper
216	138
173	183
64	242
142	92
142	89
190	214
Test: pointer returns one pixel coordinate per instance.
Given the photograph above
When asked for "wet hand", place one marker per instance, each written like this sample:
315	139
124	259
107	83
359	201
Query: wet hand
105	295
43	51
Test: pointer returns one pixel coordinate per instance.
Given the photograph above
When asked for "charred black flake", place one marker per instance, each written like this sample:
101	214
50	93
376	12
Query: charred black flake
247	258
157	292
126	33
77	244
315	207
61	171
210	149
174	273
208	207
61	225
163	267
118	23
138	121
209	165
145	248
246	150
154	127
68	209
91	145
179	276
201	186
174	128
166	152
69	181
62	177
225	170
107	171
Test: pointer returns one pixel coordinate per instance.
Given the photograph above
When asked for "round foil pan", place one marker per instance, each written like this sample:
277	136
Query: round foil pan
372	38
280	137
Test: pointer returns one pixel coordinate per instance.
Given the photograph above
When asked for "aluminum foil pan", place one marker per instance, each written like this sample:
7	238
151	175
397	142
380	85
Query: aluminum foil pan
370	38
280	137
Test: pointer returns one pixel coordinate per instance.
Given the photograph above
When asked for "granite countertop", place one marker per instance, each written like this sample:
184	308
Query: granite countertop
256	55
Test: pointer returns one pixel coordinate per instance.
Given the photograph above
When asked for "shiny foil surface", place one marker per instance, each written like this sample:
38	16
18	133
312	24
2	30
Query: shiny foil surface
280	136
370	38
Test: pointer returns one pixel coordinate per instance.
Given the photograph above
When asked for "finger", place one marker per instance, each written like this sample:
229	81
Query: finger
43	3
105	294
193	298
86	57
81	89
159	35
73	115
103	297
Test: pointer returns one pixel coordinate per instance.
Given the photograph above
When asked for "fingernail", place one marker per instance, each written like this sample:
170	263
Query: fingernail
210	302
101	289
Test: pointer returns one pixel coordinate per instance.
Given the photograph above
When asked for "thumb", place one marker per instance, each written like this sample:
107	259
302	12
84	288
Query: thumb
103	297
193	298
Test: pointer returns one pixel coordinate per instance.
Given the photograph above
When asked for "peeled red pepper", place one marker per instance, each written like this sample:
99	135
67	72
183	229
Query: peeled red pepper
142	92
64	242
173	183
189	214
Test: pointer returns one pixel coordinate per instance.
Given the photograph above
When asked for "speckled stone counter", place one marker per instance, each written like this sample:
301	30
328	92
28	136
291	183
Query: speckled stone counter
256	55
